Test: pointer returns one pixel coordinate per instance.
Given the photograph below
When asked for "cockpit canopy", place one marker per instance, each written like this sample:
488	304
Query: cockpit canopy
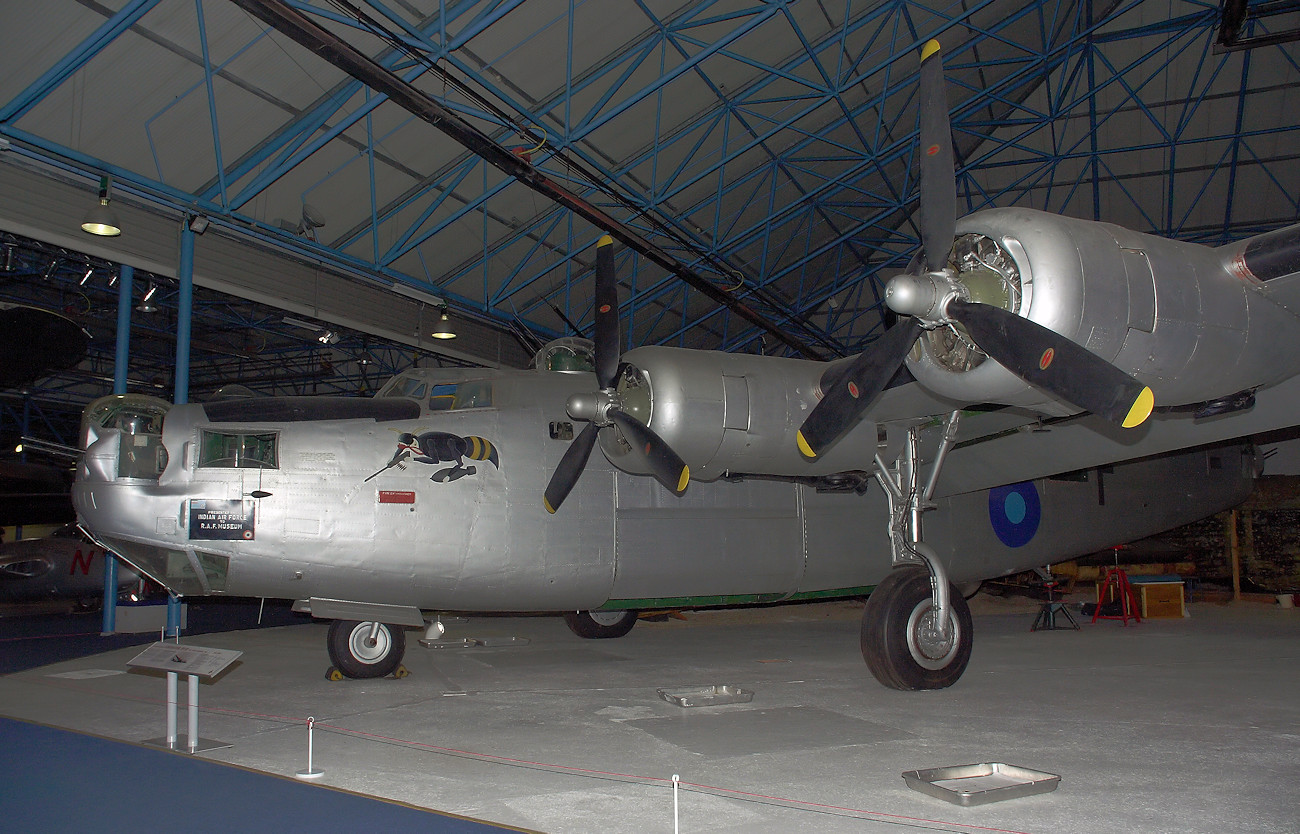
415	384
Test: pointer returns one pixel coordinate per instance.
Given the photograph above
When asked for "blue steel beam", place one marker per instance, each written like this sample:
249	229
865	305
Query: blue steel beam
70	63
833	198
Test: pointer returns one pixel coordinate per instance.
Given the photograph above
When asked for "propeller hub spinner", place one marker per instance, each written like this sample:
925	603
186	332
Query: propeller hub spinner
924	296
591	407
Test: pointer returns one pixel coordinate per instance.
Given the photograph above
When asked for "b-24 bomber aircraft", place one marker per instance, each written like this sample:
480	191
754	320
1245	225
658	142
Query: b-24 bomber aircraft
1036	345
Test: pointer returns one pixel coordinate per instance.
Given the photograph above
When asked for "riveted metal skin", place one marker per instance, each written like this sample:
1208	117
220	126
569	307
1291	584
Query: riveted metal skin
735	412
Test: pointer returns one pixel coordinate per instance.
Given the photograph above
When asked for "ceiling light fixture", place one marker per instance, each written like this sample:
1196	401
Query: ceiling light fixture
90	270
199	224
101	220
443	330
328	337
146	303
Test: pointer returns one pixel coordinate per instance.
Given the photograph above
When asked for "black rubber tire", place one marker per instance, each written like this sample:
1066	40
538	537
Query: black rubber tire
600	625
351	653
901	604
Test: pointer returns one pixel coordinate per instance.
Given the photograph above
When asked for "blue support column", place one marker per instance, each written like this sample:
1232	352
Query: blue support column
184	319
184	316
125	296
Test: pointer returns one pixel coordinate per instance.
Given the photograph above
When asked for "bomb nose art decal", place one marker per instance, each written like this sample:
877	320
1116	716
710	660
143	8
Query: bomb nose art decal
1014	512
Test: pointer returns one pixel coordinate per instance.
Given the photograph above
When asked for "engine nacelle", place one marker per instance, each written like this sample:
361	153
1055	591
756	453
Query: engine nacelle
730	413
1164	311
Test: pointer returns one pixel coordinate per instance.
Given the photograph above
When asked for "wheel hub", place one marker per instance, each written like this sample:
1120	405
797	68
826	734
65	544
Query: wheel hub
607	618
369	649
928	646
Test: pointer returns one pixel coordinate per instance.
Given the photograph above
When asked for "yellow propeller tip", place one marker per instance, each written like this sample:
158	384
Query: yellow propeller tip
931	47
684	479
1141	409
804	448
605	240
549	508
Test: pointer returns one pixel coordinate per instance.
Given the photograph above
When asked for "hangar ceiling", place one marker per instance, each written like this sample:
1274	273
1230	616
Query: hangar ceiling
766	147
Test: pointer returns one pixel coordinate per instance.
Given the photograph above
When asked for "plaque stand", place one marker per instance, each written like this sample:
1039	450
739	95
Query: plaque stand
194	662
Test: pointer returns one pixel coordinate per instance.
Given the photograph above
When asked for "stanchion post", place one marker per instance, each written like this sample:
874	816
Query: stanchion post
676	781
310	772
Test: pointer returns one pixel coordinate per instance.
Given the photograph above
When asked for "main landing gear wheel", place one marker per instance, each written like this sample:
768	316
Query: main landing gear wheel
598	625
360	650
900	643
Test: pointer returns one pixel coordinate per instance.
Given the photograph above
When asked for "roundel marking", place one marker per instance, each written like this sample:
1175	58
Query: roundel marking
604	308
932	150
853	390
1015	512
1046	359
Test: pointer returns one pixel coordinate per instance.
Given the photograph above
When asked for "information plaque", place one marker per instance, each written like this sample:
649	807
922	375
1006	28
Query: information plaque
184	659
194	662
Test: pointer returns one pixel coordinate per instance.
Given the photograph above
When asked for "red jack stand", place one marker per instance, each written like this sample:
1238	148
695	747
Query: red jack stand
1116	584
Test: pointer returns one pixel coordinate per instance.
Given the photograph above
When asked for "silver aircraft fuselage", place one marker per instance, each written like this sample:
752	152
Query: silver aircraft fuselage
441	508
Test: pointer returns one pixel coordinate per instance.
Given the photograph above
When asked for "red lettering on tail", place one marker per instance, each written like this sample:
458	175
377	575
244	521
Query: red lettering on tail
83	562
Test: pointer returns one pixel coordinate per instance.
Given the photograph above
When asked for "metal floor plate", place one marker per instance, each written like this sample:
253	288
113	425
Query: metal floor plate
978	784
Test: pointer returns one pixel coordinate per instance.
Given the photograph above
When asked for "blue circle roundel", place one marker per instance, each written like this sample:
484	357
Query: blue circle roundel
1015	512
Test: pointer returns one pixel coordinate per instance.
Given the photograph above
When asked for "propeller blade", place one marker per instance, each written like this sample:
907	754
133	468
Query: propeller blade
938	179
667	468
1052	362
607	335
571	466
848	397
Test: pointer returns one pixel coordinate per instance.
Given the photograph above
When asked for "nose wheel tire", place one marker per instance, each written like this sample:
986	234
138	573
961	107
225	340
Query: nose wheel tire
356	653
900	641
600	625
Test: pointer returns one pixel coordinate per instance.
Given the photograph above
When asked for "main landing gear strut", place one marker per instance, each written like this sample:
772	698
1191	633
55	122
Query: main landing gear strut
916	629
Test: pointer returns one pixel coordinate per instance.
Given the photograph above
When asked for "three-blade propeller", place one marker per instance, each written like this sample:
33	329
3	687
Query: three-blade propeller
604	409
1034	353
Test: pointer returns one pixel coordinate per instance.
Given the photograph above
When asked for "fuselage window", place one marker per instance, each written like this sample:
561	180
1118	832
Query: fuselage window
239	451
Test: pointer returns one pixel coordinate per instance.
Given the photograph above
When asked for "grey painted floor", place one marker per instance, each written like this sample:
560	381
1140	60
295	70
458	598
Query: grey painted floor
1188	725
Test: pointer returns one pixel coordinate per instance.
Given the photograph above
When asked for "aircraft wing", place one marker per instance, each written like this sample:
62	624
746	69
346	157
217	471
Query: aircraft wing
1014	455
1285	292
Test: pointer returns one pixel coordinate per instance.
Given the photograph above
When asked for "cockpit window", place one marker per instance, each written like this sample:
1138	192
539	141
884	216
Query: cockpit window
448	396
404	386
239	451
476	393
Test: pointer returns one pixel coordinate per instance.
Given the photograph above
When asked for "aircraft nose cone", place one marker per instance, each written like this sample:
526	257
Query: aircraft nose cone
911	295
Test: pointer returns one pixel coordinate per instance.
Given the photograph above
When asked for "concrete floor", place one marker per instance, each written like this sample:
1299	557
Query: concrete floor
1189	725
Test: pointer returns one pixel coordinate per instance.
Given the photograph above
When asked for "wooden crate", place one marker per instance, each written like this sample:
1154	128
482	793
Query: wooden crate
1160	599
